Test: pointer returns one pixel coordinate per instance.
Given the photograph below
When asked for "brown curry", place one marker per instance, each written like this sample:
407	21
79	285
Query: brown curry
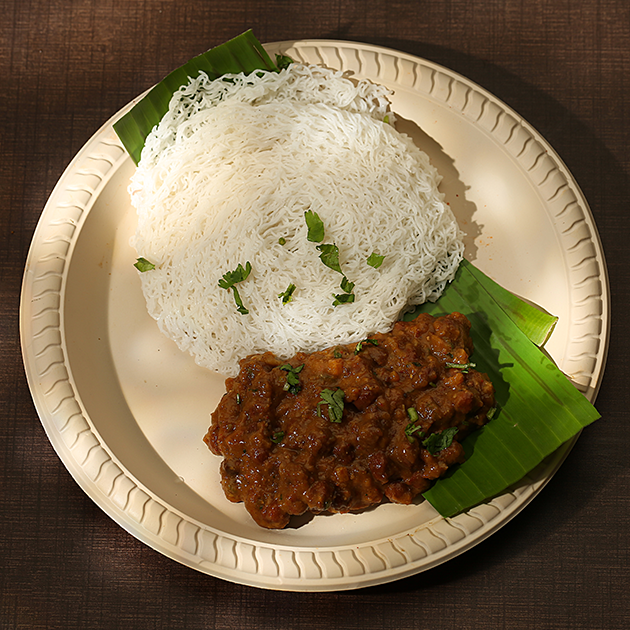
342	429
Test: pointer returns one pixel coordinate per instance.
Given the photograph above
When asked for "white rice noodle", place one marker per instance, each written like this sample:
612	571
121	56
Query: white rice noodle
232	168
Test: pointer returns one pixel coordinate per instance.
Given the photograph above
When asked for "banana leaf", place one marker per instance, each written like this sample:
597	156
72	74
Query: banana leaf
538	409
244	53
536	323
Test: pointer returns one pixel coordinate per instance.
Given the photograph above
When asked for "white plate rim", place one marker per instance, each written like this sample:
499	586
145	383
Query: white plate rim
275	566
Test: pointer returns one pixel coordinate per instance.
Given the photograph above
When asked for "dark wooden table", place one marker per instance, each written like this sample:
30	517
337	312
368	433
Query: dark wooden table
66	66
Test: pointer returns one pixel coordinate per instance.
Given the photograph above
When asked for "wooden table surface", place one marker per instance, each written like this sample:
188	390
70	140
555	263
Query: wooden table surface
66	66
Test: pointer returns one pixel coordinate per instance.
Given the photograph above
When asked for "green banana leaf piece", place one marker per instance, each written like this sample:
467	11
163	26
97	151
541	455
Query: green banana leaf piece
536	323
538	409
241	54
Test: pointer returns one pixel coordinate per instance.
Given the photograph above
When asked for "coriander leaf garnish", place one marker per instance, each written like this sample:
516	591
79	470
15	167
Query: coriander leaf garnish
283	61
277	437
346	285
348	296
343	298
282	240
239	302
142	265
439	441
292	384
461	366
374	260
412	428
359	346
287	294
334	400
315	227
229	280
330	256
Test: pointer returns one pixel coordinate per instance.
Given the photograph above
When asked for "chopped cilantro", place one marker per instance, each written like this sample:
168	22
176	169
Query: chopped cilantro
439	441
337	354
359	346
283	61
412	428
374	260
330	256
346	285
142	265
315	227
229	280
343	298
282	240
292	384
239	302
348	296
277	437
461	366
334	400
287	294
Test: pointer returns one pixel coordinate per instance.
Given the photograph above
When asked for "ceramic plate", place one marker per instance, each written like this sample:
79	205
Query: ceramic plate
126	410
